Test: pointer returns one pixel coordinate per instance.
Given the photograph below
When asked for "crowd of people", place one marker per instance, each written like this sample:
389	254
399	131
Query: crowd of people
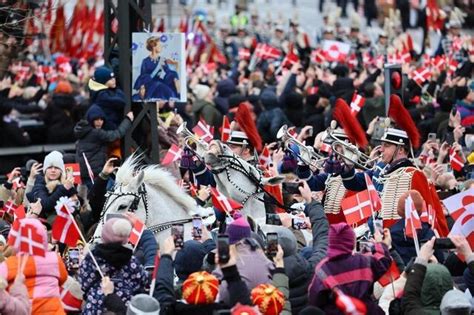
326	263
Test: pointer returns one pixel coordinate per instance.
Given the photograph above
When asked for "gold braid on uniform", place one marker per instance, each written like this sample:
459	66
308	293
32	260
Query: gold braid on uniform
335	192
395	185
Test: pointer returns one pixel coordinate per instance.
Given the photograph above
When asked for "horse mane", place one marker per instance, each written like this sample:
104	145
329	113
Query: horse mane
157	177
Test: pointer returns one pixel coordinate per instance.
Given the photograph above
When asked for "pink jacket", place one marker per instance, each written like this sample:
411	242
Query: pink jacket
15	303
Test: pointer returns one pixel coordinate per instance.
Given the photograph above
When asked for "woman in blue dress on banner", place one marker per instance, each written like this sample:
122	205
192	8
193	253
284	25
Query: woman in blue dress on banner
157	77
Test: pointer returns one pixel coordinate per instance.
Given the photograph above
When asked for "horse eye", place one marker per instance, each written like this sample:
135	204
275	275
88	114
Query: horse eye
122	207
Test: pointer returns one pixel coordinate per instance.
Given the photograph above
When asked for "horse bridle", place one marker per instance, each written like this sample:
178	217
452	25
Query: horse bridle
141	195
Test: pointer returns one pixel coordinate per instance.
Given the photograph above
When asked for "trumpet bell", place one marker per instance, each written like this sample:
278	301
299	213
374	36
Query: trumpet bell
282	132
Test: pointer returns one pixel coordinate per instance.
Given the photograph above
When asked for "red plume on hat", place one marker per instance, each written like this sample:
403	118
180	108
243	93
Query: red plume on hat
342	114
247	125
403	119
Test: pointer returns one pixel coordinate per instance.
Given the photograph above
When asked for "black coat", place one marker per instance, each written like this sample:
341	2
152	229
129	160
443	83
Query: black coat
269	122
59	119
93	142
12	135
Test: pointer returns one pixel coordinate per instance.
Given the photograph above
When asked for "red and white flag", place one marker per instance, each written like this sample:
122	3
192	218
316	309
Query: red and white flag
225	129
203	131
265	158
174	154
224	204
244	54
456	160
352	62
438	62
391	275
17	183
452	66
136	234
20	212
64	230
325	148
459	203
464	226
290	59
75	169
69	301
336	50
357	207
373	194
412	219
404	56
265	51
357	103
420	75
349	305
10	208
25	239
318	56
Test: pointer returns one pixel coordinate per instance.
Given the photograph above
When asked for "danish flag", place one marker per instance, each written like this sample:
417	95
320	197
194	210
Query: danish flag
456	160
349	305
265	158
352	62
203	131
420	75
357	207
459	203
136	234
265	51
438	62
244	54
391	275
64	230
225	129
174	154
75	169
10	208
290	59
24	238
357	103
318	56
222	203
373	194
412	219
452	66
69	301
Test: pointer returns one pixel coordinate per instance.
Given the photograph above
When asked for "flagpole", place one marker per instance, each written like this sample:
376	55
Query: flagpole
415	236
84	240
155	272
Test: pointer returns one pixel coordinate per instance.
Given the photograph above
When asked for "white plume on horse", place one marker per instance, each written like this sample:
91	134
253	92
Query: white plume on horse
160	201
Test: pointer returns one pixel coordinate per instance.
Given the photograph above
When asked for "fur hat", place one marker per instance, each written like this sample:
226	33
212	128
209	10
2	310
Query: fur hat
417	200
143	304
238	230
116	230
55	159
201	91
268	298
102	75
200	288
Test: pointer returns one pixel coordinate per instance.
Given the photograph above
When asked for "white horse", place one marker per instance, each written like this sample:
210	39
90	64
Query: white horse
157	198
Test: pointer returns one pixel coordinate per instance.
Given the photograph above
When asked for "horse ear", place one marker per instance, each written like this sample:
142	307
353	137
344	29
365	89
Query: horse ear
138	180
273	181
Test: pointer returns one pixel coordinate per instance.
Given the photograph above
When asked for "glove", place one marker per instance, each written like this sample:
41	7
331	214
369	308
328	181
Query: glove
332	165
187	161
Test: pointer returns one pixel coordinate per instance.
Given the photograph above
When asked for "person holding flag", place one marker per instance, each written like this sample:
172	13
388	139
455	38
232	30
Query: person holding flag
399	174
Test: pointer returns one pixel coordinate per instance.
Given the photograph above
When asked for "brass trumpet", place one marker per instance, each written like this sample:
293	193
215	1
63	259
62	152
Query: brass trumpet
307	154
189	138
349	152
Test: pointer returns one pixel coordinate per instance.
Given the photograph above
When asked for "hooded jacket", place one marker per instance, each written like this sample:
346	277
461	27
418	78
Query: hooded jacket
93	142
112	102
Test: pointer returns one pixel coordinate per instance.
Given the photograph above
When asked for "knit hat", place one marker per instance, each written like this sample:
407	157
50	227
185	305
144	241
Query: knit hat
455	301
238	230
116	230
189	259
63	87
143	304
94	112
417	200
102	75
200	288
55	159
201	91
341	240
269	299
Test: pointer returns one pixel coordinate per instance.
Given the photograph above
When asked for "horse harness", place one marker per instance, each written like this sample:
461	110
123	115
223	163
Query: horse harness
141	195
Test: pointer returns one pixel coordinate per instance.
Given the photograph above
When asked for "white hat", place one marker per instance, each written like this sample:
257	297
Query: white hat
201	91
238	138
55	159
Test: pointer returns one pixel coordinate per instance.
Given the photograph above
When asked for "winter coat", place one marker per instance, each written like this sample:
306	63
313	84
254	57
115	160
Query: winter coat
146	249
300	270
281	282
12	135
16	301
314	117
254	268
93	142
269	122
118	263
237	291
43	278
48	200
209	113
59	120
425	287
405	246
354	275
112	102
